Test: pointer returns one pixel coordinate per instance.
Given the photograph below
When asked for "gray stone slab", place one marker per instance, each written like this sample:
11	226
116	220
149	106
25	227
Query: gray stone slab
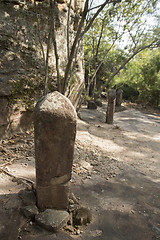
29	211
52	220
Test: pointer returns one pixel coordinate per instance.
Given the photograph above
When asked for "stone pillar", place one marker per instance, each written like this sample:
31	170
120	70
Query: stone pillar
119	94
55	130
111	106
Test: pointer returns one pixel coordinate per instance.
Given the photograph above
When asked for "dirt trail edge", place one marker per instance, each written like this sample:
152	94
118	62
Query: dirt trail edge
115	173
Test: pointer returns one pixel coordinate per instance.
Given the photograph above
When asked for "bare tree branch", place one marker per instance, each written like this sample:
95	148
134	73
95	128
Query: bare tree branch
96	14
68	47
123	65
100	64
56	53
48	48
73	49
38	31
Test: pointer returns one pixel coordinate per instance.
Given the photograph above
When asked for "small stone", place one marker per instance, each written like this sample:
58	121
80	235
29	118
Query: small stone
28	197
91	105
71	202
82	216
98	102
88	177
69	228
19	181
78	232
73	207
29	211
52	220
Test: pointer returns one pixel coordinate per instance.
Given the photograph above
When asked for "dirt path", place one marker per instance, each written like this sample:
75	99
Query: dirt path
115	173
121	186
134	138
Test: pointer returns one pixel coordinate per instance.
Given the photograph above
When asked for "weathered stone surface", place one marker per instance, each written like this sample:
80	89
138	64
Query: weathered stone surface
29	211
82	216
4	110
111	106
28	197
92	105
98	102
55	130
53	196
52	220
119	95
5	89
22	62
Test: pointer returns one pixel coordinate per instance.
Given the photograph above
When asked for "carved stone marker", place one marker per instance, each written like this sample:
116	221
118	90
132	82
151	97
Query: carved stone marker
119	94
55	130
111	106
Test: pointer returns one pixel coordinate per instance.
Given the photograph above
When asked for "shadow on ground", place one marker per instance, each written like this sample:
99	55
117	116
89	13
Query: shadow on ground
124	208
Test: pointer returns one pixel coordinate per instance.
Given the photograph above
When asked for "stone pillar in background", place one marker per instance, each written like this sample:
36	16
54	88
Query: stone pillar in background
55	130
111	106
119	95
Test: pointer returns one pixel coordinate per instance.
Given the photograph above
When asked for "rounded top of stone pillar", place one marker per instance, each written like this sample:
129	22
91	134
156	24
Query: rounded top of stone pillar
119	90
56	103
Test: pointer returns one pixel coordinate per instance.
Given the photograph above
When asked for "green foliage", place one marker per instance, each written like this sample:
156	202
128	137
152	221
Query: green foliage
88	98
143	75
102	42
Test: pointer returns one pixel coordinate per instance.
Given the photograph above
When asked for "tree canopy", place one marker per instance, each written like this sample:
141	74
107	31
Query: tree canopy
118	34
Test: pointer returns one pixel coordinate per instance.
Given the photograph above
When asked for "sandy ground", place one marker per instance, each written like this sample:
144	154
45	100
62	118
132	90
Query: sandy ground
115	173
133	139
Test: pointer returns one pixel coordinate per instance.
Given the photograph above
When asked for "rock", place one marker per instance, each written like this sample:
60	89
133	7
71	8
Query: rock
104	95
73	207
29	211
119	94
19	63
28	197
92	105
69	228
82	216
111	106
52	220
98	102
5	89
4	110
86	165
78	232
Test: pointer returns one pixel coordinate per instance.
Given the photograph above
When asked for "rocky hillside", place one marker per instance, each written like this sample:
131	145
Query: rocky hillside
23	39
